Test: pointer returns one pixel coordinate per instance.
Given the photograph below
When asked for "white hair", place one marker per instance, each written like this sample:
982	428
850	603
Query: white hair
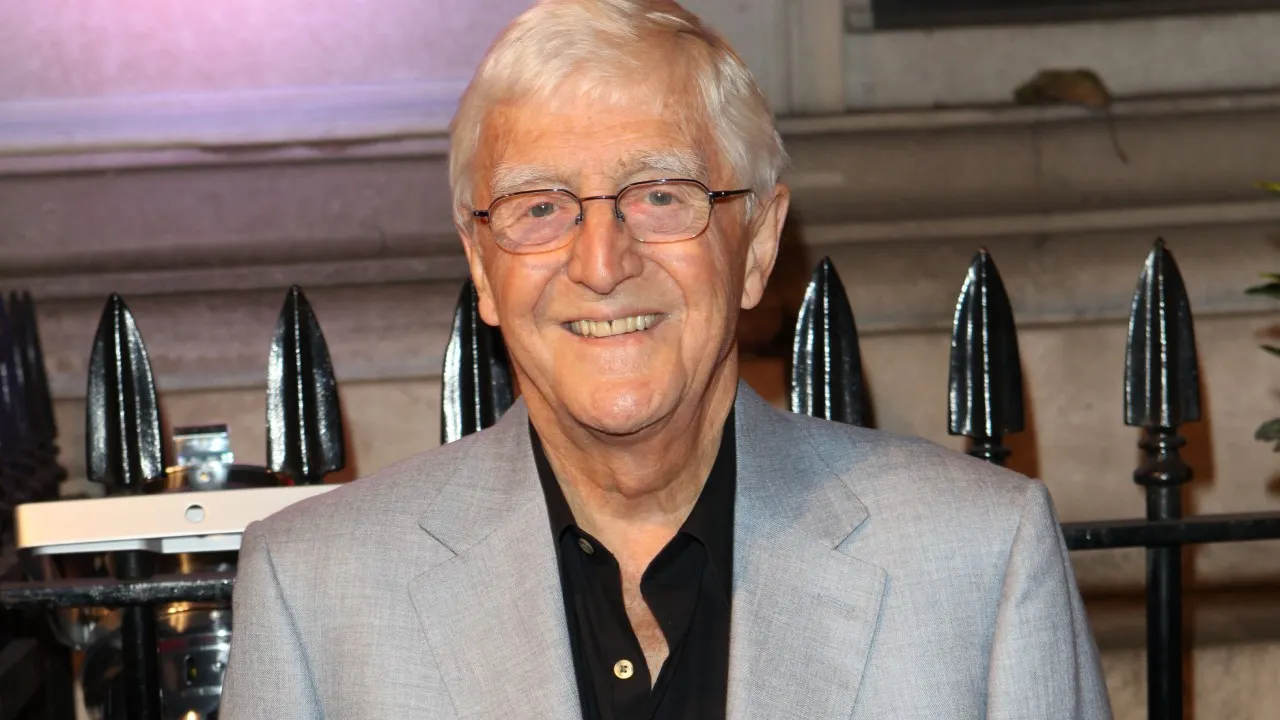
603	47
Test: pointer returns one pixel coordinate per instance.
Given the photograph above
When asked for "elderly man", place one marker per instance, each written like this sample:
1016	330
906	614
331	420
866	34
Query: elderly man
642	536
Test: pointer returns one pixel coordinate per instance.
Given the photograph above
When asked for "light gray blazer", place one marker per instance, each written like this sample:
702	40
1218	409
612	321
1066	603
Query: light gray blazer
874	577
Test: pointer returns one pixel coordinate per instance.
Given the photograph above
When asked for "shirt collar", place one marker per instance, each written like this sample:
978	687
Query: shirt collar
710	521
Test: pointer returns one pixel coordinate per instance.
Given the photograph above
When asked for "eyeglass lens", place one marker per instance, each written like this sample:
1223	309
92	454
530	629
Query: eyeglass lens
653	213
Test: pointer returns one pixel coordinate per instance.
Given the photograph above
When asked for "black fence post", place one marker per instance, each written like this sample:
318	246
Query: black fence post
35	669
15	469
475	387
1161	392
304	417
123	451
826	363
985	385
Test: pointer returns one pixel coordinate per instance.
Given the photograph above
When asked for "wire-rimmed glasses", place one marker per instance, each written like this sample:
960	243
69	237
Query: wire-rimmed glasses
653	211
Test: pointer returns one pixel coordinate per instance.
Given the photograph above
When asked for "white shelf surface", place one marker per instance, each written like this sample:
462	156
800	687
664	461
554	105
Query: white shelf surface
184	522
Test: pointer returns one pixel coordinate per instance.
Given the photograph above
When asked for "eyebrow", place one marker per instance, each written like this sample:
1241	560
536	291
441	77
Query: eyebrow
508	178
674	163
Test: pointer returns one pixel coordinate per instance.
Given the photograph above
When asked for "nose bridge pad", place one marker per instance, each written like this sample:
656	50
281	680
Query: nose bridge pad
582	209
615	210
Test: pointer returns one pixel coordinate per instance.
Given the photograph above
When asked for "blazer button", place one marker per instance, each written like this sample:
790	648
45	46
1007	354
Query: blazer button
623	669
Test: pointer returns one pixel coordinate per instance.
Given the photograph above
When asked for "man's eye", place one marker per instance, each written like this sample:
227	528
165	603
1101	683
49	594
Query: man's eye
660	198
542	209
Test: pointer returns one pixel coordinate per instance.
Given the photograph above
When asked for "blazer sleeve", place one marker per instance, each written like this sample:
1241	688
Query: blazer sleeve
267	677
1044	661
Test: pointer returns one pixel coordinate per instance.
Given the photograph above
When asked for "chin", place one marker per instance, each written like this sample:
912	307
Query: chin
621	407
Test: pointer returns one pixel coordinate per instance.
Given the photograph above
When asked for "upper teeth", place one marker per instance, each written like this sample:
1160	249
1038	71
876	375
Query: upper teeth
605	328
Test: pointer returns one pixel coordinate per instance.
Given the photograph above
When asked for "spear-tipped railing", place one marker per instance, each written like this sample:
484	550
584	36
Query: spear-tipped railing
122	421
476	387
304	418
35	672
984	399
28	444
985	403
19	465
39	399
826	363
1161	392
123	452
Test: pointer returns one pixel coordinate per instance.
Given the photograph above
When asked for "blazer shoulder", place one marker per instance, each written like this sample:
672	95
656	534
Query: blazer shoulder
930	509
391	497
883	467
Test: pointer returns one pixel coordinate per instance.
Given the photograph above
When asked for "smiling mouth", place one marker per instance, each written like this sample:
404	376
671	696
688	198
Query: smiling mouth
609	328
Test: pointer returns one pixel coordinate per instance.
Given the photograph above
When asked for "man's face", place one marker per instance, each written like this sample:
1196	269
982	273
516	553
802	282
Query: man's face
687	293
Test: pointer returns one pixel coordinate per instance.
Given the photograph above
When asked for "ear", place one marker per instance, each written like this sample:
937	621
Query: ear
766	234
475	261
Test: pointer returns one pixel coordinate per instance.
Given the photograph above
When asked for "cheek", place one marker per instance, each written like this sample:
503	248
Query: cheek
521	284
705	276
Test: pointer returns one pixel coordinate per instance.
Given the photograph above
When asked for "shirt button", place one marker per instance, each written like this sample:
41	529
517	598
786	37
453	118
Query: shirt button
623	669
586	546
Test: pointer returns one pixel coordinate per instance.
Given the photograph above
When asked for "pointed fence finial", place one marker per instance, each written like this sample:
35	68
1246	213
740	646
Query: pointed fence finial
35	380
826	363
122	419
985	387
28	457
1161	374
39	397
305	439
476	384
1162	391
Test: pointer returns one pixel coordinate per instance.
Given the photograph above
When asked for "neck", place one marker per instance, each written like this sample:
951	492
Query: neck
623	489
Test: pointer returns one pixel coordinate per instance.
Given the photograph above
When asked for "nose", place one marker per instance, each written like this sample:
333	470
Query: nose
603	255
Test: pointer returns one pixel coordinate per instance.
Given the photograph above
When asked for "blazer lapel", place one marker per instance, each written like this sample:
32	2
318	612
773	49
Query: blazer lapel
804	613
494	613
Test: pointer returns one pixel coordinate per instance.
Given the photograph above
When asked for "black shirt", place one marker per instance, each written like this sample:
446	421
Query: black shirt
688	588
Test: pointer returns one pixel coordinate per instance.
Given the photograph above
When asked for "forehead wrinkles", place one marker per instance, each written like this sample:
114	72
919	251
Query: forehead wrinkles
526	144
672	98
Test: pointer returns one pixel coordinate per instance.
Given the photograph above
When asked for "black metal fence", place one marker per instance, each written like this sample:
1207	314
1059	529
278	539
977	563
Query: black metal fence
148	597
35	675
125	453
